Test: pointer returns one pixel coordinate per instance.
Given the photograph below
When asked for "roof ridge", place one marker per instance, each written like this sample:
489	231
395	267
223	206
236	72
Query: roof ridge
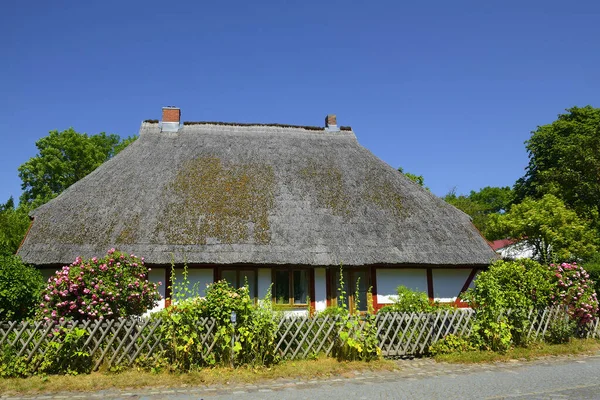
277	125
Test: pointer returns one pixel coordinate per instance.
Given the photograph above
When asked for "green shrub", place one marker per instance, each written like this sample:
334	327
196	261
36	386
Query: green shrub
409	300
452	344
592	266
255	329
20	288
560	330
412	301
333	311
518	286
357	338
181	337
387	309
64	355
13	366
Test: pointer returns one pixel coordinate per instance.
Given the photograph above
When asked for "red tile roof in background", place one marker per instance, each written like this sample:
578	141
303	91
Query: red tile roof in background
499	244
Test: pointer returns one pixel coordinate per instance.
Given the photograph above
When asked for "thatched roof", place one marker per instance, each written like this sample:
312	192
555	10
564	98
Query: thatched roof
225	193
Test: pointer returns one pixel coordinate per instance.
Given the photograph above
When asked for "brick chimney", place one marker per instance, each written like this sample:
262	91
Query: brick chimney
171	116
331	123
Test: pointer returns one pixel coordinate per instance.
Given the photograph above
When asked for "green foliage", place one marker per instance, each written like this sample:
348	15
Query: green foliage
560	330
452	344
20	289
255	329
110	287
13	226
516	285
61	355
333	311
64	355
181	336
181	291
592	266
9	205
354	343
556	233
412	301
64	158
493	199
481	205
564	160
409	300
12	365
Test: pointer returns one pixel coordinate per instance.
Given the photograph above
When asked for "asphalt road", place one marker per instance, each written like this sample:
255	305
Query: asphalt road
563	379
553	378
567	381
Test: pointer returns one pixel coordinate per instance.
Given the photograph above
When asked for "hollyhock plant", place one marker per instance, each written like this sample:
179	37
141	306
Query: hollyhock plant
100	288
575	290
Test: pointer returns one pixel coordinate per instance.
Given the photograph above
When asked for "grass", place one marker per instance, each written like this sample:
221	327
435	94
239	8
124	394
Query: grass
134	379
298	370
535	350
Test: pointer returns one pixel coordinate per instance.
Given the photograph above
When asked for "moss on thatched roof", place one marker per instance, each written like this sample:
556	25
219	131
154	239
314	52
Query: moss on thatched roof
257	194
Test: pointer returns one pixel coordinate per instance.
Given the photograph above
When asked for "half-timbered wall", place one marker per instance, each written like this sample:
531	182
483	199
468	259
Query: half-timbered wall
320	289
388	279
156	275
448	283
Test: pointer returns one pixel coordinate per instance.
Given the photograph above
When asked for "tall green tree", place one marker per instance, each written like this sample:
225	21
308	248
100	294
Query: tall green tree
63	158
481	205
13	226
564	160
555	232
493	199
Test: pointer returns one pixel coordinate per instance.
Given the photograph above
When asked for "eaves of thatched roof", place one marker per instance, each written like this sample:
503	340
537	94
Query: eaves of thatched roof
226	194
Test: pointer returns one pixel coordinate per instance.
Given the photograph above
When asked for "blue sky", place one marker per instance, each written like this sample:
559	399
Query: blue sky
447	90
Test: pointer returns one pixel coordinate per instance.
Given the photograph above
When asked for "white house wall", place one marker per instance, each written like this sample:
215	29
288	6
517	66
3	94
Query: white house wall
447	283
198	280
158	275
389	279
264	282
320	289
516	251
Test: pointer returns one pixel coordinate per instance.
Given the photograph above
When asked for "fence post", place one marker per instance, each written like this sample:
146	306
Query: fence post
233	319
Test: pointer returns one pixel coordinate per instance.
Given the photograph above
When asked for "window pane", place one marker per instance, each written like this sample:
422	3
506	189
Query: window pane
230	277
282	287
300	286
250	278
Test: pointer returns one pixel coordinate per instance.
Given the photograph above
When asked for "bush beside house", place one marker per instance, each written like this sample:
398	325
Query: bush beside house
20	288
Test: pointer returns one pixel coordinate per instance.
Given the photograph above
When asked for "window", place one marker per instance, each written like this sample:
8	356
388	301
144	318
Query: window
239	277
351	277
291	286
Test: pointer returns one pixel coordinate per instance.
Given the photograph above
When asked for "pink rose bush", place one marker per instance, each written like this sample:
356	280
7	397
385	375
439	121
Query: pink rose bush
575	290
101	288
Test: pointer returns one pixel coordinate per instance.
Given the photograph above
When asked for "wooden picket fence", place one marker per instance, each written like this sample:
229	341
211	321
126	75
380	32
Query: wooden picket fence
122	341
402	334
